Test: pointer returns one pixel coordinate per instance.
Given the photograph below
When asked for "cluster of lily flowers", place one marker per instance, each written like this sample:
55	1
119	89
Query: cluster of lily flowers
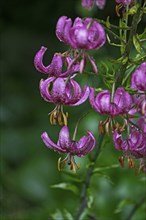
61	89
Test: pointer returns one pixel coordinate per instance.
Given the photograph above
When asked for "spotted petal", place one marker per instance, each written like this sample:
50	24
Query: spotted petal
83	97
64	140
50	144
85	144
58	90
44	89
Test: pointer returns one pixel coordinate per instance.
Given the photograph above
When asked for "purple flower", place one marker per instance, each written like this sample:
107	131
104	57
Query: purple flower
100	3
139	101
124	2
82	34
138	79
134	145
89	3
56	66
102	102
71	147
65	145
142	123
62	91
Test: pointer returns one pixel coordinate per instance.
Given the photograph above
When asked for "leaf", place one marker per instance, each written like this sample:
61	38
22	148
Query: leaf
68	215
128	73
139	58
90	201
137	44
113	44
107	22
133	10
122	204
143	35
66	186
57	215
99	169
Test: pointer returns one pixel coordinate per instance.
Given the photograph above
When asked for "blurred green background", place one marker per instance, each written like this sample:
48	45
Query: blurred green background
28	168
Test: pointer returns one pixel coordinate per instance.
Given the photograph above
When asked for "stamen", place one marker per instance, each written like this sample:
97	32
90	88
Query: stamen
121	160
118	7
131	163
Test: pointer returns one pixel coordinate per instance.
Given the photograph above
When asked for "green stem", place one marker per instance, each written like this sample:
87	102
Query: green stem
77	124
111	25
121	71
83	197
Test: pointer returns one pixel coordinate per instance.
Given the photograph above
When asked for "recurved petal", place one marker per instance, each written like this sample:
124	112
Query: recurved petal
79	37
92	100
58	90
96	35
85	144
38	60
55	68
50	144
88	4
123	100
76	90
103	102
64	140
71	69
44	89
100	3
138	79
83	96
62	29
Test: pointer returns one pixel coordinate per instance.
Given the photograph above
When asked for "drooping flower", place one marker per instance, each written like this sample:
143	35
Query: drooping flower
89	3
61	92
142	123
133	147
140	102
138	79
121	104
82	34
67	92
135	144
70	147
124	2
55	68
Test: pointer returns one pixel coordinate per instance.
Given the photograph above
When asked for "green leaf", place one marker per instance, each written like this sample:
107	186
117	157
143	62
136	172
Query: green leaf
133	10
139	58
143	35
107	22
113	44
68	215
66	186
90	201
122	204
128	73
57	215
99	169
137	44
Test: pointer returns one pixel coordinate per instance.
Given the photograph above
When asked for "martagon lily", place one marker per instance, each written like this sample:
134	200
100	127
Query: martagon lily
134	146
55	68
88	4
104	103
81	35
61	92
70	147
